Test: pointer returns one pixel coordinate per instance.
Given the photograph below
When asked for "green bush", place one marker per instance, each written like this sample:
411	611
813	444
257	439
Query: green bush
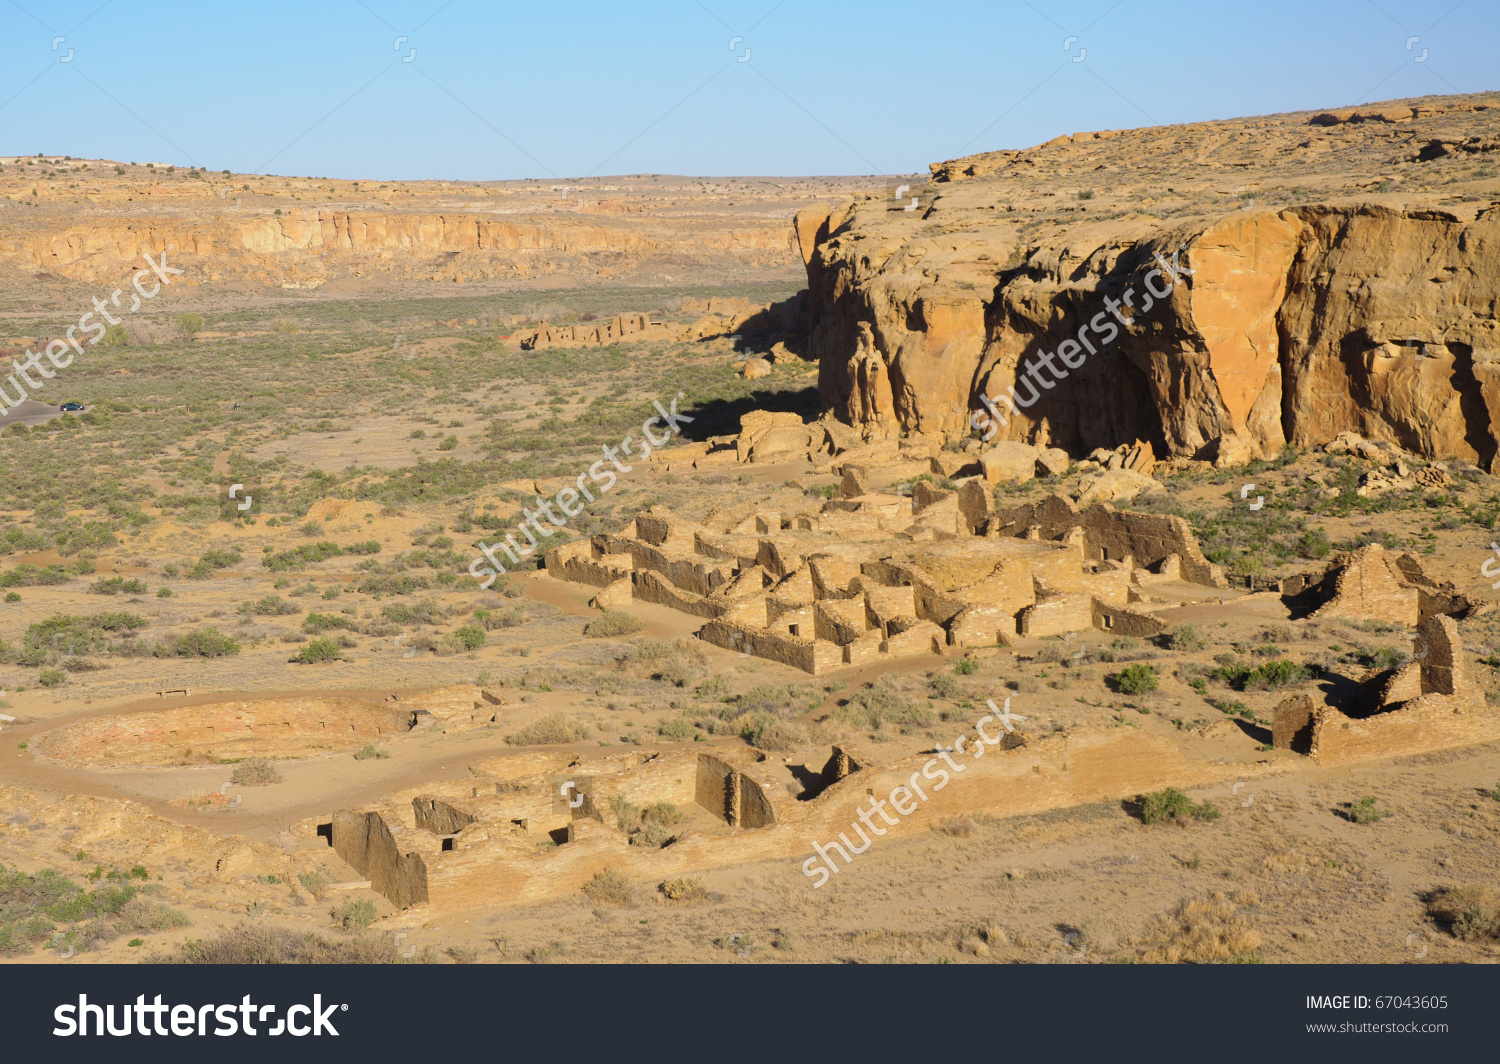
1135	680
1271	675
206	642
190	323
321	622
1172	805
52	678
213	560
1367	811
370	750
269	606
318	650
116	585
613	623
472	636
966	666
354	914
301	557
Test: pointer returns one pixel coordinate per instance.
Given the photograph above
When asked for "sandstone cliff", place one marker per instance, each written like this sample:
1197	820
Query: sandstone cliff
1345	276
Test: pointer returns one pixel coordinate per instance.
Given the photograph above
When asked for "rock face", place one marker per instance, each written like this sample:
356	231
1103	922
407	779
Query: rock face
1289	322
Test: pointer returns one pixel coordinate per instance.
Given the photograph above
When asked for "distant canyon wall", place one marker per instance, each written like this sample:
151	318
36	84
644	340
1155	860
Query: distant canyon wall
306	243
1296	324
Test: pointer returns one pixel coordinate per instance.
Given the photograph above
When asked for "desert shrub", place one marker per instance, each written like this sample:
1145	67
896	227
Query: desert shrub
609	887
52	678
356	914
370	750
318	650
1171	805
677	730
689	890
212	560
966	666
613	623
269	606
139	914
116	585
1470	912
255	772
470	636
25	575
259	943
780	700
1050	653
771	733
315	883
301	557
190	323
490	620
1135	680
715	687
945	686
1201	930
881	703
1187	637
321	622
549	730
206	642
1366	811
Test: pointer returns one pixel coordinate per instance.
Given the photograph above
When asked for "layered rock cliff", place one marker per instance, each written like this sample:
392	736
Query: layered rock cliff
1342	275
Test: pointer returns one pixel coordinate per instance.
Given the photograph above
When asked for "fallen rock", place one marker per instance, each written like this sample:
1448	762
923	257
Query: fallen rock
1115	485
756	367
1052	462
1355	444
1009	462
1235	450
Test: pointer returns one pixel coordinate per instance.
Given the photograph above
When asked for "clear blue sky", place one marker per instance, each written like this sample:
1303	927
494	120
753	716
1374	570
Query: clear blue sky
571	89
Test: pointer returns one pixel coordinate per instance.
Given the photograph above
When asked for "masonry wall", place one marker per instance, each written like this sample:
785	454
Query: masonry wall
1432	722
366	843
1149	539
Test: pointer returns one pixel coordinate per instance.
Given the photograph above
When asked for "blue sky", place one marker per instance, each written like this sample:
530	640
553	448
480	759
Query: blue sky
572	89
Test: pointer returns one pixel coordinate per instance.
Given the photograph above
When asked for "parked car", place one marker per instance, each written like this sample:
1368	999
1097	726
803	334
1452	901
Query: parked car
71	407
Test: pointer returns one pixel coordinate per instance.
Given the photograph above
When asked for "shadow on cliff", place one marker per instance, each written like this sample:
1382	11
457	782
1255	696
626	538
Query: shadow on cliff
721	417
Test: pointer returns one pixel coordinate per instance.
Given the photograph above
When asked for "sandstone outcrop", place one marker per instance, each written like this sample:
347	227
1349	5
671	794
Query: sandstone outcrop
1291	322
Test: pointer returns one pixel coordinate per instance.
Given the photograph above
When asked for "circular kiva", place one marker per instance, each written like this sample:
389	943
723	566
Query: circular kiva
225	731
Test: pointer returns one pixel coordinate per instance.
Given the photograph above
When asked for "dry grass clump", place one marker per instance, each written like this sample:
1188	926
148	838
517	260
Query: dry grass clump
960	827
688	890
255	772
613	623
1202	929
260	943
677	662
1470	912
609	887
549	730
650	827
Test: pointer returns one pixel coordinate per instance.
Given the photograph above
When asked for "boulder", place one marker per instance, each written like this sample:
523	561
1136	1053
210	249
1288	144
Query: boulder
1115	485
1052	462
1234	450
756	367
1009	462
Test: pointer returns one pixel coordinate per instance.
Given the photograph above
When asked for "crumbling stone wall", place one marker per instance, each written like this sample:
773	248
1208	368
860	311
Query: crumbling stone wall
1149	539
366	842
